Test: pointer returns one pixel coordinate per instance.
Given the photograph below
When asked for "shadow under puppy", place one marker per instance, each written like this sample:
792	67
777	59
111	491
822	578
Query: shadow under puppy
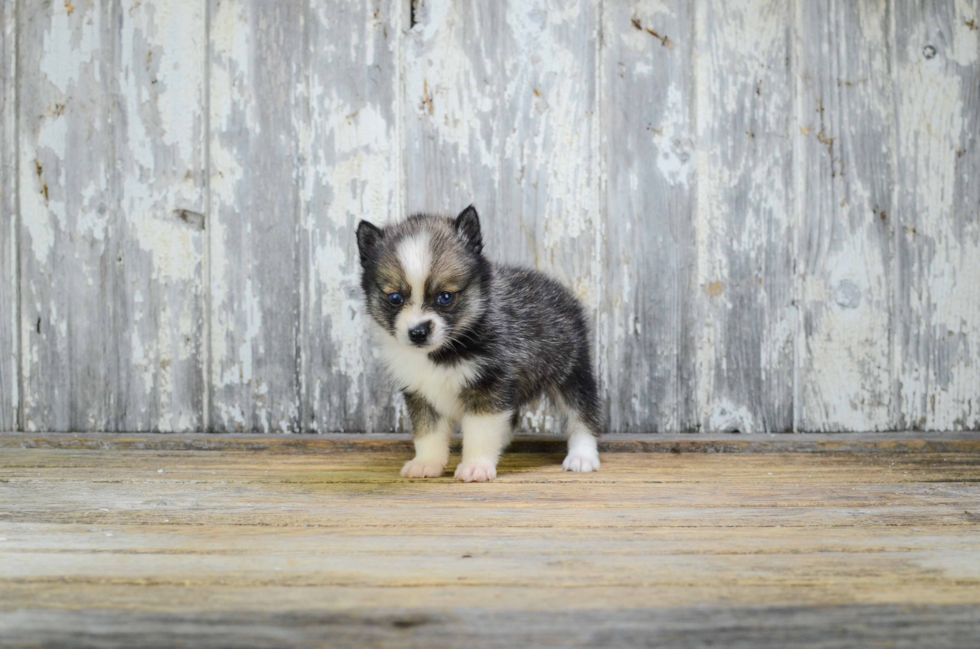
469	342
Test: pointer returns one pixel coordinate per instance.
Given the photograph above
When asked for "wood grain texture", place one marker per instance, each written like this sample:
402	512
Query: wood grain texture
937	90
845	255
67	199
258	105
692	627
9	285
500	111
745	275
110	147
353	159
263	545
648	316
158	292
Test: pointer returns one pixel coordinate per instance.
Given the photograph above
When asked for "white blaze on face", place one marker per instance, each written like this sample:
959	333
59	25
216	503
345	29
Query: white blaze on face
415	256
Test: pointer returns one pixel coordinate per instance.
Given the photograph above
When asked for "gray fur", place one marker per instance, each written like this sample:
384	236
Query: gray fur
422	413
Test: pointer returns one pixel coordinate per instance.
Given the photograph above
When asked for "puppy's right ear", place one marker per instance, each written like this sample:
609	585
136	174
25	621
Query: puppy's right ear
368	236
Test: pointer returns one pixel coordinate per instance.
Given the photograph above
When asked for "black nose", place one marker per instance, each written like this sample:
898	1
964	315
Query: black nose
420	332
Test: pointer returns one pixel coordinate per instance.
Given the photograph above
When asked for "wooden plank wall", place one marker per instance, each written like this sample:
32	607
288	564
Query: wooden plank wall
770	209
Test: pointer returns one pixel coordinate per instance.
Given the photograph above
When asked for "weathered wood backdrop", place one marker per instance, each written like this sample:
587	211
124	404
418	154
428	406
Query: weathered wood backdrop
772	208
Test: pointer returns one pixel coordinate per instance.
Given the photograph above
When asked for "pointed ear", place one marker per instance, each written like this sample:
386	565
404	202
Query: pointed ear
468	228
368	236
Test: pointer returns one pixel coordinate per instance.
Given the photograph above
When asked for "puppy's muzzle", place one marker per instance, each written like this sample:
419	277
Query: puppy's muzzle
420	332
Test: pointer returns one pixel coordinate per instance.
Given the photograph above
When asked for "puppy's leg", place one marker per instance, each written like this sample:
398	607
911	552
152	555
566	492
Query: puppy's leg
583	452
432	435
579	398
484	437
431	451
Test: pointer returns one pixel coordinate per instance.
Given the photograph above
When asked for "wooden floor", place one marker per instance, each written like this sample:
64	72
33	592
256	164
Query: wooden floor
110	545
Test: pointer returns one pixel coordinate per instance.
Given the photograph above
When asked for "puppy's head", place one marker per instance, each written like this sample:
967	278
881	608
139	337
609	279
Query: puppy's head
424	279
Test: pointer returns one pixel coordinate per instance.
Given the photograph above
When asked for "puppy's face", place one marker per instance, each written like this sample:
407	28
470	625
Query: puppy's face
422	278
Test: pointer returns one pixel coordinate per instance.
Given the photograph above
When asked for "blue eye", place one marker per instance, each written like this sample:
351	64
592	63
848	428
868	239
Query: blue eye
445	298
395	299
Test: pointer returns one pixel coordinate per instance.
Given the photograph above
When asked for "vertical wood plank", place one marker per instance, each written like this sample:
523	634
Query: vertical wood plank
937	91
353	155
158	237
846	144
9	307
500	111
257	103
649	306
111	288
67	171
745	351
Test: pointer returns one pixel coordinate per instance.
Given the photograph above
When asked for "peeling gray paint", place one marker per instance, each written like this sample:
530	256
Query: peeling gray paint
937	303
9	308
353	155
649	310
110	142
744	105
258	103
771	210
845	147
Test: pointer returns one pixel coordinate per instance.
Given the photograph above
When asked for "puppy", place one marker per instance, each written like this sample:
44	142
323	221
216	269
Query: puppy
469	342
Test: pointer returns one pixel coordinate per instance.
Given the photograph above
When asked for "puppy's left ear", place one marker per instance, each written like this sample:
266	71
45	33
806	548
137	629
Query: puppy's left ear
468	228
368	236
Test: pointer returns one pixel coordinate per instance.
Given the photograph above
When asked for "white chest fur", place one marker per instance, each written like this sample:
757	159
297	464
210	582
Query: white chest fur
439	384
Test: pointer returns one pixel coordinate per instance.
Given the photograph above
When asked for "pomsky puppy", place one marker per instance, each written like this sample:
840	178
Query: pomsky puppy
469	342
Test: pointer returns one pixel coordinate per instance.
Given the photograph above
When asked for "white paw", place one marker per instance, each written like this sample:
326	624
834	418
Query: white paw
581	462
478	471
417	468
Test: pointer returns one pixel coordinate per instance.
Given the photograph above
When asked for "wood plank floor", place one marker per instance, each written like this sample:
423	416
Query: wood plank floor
122	547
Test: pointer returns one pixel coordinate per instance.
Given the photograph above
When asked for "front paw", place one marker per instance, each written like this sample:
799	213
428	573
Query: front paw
478	471
420	468
581	462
